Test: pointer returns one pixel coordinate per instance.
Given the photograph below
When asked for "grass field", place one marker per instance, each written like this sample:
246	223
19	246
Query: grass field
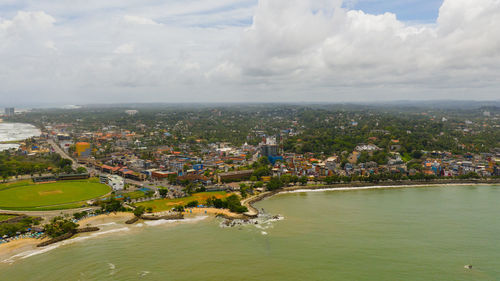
26	195
134	194
167	204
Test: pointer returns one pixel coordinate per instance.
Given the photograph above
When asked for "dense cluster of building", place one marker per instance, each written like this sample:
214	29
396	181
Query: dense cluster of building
122	153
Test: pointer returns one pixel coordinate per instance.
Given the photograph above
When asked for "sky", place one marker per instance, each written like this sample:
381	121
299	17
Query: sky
128	51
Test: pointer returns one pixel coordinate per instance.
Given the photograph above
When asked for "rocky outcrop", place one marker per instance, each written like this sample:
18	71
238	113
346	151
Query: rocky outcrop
67	236
132	220
177	216
87	229
57	239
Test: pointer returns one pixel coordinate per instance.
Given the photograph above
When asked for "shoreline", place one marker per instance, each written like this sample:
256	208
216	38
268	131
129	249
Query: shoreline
105	218
8	250
253	212
214	212
12	248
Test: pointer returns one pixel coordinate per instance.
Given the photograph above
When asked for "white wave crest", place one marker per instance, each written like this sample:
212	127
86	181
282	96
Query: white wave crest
31	253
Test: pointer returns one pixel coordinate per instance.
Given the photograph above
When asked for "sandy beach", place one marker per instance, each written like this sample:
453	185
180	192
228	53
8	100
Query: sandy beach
14	247
102	219
211	211
24	244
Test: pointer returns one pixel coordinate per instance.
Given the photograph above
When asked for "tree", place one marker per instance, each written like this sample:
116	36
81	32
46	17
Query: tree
112	205
163	192
274	183
261	172
190	187
179	208
139	211
81	170
264	161
59	226
64	163
192	204
234	205
67	169
303	180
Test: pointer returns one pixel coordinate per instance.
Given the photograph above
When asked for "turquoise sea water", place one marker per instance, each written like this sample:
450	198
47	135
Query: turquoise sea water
425	233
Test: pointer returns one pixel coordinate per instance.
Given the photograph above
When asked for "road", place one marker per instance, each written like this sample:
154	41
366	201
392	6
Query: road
47	215
62	153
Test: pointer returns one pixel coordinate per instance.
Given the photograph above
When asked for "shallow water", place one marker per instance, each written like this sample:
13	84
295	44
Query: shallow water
426	233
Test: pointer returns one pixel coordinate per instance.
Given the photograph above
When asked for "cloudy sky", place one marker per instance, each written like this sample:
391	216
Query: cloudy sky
95	51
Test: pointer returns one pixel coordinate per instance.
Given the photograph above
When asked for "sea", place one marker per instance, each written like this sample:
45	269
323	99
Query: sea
14	132
417	233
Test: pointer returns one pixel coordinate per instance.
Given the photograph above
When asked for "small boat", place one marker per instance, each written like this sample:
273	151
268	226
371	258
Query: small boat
468	266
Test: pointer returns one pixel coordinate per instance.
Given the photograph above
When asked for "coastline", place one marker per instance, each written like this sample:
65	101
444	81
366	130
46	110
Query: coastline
105	218
8	250
253	212
214	212
14	247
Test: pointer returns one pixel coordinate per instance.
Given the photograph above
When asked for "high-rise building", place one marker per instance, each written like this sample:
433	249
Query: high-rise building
269	147
9	111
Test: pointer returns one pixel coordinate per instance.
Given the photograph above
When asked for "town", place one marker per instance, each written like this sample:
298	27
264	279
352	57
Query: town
132	148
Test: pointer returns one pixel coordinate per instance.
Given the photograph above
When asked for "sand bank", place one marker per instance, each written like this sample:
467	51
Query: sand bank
19	245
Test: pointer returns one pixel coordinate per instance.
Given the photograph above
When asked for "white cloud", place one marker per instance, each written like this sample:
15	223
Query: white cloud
126	48
139	20
337	48
210	50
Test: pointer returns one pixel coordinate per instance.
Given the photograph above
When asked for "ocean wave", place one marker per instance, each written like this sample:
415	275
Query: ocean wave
373	187
343	188
31	253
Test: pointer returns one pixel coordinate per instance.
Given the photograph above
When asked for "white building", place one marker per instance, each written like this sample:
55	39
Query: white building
114	181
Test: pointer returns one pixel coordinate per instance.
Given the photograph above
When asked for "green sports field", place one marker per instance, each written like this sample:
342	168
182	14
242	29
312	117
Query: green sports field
160	205
26	195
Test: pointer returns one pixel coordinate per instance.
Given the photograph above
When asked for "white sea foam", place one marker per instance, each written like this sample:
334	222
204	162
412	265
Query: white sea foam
31	253
16	131
111	268
375	187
